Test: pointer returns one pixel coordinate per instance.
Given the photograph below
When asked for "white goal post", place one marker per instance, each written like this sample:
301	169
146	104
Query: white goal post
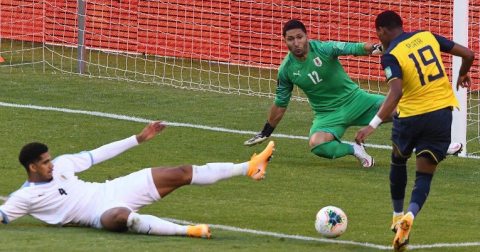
460	36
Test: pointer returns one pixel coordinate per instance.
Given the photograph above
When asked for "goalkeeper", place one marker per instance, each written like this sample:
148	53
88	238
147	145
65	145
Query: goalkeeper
337	101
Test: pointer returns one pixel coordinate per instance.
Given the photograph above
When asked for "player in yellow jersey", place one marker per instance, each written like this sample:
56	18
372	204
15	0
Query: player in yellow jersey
420	87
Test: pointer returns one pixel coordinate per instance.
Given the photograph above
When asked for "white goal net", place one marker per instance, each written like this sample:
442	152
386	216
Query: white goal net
226	46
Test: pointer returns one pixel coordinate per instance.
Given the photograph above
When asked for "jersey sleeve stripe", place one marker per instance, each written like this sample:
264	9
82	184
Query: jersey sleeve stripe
392	79
5	218
91	157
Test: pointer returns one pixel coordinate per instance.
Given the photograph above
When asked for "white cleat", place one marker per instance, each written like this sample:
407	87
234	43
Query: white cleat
454	149
362	156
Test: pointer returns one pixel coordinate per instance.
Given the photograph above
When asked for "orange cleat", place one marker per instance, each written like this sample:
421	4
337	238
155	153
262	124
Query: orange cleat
200	231
396	221
258	164
403	233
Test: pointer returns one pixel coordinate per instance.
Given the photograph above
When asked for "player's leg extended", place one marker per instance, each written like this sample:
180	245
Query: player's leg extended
432	136
431	149
423	178
398	183
120	219
167	179
127	194
403	141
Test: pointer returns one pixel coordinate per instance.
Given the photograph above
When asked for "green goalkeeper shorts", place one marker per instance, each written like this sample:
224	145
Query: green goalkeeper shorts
356	112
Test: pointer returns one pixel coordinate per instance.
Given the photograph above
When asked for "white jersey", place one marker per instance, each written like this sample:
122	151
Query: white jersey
65	199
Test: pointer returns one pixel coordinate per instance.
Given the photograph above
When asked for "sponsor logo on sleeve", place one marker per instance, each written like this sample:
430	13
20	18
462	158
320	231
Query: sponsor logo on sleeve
388	72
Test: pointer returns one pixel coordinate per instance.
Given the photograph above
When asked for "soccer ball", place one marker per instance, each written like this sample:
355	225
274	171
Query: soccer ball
331	222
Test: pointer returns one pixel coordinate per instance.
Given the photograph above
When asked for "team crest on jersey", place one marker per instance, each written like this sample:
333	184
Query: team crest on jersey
317	61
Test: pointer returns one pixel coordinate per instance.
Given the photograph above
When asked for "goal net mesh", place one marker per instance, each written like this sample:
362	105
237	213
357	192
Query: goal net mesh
225	46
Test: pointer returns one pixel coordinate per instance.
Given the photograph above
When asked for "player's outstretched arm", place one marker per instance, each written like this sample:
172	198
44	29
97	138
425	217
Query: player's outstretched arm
276	114
468	56
111	150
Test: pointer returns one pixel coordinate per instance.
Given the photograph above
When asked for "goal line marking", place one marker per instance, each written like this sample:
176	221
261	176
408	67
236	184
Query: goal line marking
306	238
137	119
187	125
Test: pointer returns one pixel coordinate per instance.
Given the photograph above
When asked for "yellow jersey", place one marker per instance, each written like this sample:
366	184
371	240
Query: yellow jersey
415	59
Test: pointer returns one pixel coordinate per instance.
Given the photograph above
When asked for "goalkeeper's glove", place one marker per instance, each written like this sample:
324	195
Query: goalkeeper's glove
262	136
376	49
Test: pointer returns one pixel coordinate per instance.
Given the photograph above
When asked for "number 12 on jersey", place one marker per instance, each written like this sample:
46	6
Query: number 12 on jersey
314	77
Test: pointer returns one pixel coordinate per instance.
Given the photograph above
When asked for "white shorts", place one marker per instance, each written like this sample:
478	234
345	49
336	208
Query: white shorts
132	191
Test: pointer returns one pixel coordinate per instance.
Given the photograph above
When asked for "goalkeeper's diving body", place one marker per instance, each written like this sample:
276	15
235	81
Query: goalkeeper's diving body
337	100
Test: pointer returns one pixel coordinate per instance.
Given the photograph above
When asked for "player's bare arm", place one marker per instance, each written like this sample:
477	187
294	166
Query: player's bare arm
468	56
393	97
276	114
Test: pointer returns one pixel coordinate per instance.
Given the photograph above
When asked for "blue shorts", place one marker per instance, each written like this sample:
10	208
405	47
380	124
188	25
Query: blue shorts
429	134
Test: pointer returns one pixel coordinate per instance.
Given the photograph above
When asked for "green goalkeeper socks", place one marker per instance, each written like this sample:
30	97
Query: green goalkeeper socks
332	149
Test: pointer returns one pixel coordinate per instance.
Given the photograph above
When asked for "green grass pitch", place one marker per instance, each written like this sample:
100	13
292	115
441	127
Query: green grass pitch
279	211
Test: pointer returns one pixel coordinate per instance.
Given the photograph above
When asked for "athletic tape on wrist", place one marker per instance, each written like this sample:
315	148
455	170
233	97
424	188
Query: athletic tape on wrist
375	122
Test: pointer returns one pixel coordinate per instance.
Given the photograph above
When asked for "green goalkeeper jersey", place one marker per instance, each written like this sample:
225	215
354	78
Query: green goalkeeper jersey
321	76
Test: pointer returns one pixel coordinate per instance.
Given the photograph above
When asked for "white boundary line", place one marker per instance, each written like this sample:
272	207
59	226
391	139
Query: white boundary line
136	119
306	238
296	237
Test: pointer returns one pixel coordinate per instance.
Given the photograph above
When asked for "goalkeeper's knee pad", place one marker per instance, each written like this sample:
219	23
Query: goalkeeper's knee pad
326	149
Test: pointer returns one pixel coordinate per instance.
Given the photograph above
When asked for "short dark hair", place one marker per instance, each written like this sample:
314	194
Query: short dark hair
293	24
388	19
31	153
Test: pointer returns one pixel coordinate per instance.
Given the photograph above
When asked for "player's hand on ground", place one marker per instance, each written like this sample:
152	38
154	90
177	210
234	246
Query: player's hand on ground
464	81
151	130
258	138
363	133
